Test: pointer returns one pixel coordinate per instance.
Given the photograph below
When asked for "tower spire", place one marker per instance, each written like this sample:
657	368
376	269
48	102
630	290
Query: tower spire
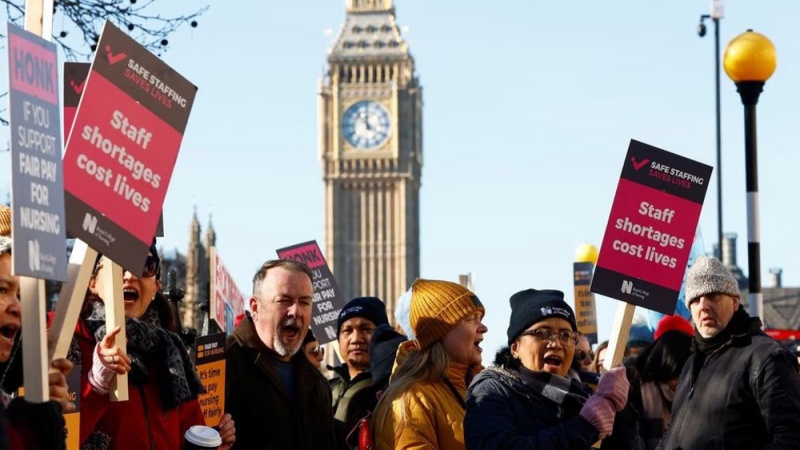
368	5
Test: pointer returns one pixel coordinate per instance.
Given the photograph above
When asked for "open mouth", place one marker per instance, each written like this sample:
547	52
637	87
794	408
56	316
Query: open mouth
477	344
130	295
291	331
9	331
553	361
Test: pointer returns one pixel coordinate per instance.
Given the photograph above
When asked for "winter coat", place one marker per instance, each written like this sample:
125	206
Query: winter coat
743	395
136	424
435	418
266	417
31	426
352	401
503	413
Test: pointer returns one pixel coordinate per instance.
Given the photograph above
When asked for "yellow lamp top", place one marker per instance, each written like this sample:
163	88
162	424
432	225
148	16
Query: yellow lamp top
586	253
750	56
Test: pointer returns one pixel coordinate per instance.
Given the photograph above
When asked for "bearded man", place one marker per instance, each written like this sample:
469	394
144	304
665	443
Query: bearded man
279	399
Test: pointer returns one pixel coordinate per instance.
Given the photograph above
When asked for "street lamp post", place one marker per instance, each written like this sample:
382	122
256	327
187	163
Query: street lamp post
716	14
750	59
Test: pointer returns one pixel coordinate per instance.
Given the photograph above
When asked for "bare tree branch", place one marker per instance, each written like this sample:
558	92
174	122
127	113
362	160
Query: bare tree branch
77	25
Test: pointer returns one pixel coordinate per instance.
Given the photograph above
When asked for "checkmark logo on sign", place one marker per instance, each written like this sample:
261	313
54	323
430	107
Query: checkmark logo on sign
640	164
77	87
112	58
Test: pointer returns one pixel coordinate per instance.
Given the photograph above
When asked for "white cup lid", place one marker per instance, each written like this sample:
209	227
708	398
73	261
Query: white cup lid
203	436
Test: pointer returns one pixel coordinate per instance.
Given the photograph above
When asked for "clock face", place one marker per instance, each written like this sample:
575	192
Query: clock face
366	125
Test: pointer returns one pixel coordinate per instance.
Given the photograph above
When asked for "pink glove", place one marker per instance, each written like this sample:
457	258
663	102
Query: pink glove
100	376
610	398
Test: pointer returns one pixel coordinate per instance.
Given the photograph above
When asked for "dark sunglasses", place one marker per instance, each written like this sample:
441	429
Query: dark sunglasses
317	351
151	266
582	355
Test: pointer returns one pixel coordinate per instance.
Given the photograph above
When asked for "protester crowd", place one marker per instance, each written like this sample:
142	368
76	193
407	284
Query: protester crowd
715	382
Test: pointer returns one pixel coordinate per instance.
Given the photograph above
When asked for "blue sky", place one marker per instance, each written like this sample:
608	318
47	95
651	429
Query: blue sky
529	108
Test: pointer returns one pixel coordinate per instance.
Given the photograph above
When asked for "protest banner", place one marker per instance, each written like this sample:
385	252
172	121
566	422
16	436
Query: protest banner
585	310
37	181
328	298
225	295
210	365
75	75
649	234
122	148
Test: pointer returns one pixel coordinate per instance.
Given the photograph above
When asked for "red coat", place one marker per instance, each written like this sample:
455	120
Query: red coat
140	423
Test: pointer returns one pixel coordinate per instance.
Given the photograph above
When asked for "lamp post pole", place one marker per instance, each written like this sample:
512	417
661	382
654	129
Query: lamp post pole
750	60
717	9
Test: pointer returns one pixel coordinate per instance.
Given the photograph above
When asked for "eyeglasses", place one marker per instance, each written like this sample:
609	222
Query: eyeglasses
543	334
317	351
151	266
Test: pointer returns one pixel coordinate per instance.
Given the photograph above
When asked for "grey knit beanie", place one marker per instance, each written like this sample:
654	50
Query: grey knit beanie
709	276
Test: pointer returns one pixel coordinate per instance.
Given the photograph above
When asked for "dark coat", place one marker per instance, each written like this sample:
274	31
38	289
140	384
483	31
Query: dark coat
352	401
743	395
266	417
505	414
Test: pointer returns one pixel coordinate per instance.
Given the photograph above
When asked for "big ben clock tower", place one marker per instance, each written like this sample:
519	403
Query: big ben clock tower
370	143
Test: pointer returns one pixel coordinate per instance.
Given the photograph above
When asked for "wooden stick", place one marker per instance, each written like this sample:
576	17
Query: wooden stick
34	349
619	335
115	317
70	299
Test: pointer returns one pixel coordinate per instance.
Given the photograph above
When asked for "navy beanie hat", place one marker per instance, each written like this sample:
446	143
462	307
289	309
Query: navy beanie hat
531	305
370	308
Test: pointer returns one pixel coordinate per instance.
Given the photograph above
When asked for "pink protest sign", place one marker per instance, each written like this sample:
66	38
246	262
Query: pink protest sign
651	227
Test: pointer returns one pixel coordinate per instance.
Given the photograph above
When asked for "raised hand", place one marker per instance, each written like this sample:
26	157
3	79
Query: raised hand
108	360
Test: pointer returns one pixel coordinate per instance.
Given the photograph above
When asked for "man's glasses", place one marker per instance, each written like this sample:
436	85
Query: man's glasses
543	334
151	266
317	351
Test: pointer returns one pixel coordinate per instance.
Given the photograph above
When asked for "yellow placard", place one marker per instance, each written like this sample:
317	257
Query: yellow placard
212	402
210	364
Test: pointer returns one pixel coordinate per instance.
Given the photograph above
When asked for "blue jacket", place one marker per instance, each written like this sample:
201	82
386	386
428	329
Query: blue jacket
505	414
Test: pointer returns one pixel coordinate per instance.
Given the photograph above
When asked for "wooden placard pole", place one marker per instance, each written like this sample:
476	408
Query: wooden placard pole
115	317
34	350
70	299
32	292
619	335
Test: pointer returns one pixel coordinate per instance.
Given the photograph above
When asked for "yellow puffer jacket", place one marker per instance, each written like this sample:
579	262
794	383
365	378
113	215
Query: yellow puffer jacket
435	418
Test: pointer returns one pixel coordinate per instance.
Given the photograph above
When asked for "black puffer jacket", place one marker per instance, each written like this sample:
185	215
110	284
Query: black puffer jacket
505	414
743	395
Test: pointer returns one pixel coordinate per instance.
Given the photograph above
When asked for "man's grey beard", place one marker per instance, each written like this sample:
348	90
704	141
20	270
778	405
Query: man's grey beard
278	345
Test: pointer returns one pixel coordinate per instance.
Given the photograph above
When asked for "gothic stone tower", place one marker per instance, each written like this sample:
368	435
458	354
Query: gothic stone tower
370	144
197	274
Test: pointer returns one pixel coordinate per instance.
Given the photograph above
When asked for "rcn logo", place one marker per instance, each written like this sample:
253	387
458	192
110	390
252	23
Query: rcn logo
34	261
627	287
89	223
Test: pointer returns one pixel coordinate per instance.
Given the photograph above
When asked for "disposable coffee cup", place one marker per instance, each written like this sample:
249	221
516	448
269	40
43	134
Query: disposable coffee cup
200	437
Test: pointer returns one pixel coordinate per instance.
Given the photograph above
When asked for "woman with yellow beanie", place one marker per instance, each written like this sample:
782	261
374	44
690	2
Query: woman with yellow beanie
424	405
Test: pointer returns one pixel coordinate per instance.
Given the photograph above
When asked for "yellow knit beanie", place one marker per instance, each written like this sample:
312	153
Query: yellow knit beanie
5	220
438	306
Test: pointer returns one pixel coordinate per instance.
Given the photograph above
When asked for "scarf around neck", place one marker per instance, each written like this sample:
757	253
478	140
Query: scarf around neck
568	393
739	324
151	346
